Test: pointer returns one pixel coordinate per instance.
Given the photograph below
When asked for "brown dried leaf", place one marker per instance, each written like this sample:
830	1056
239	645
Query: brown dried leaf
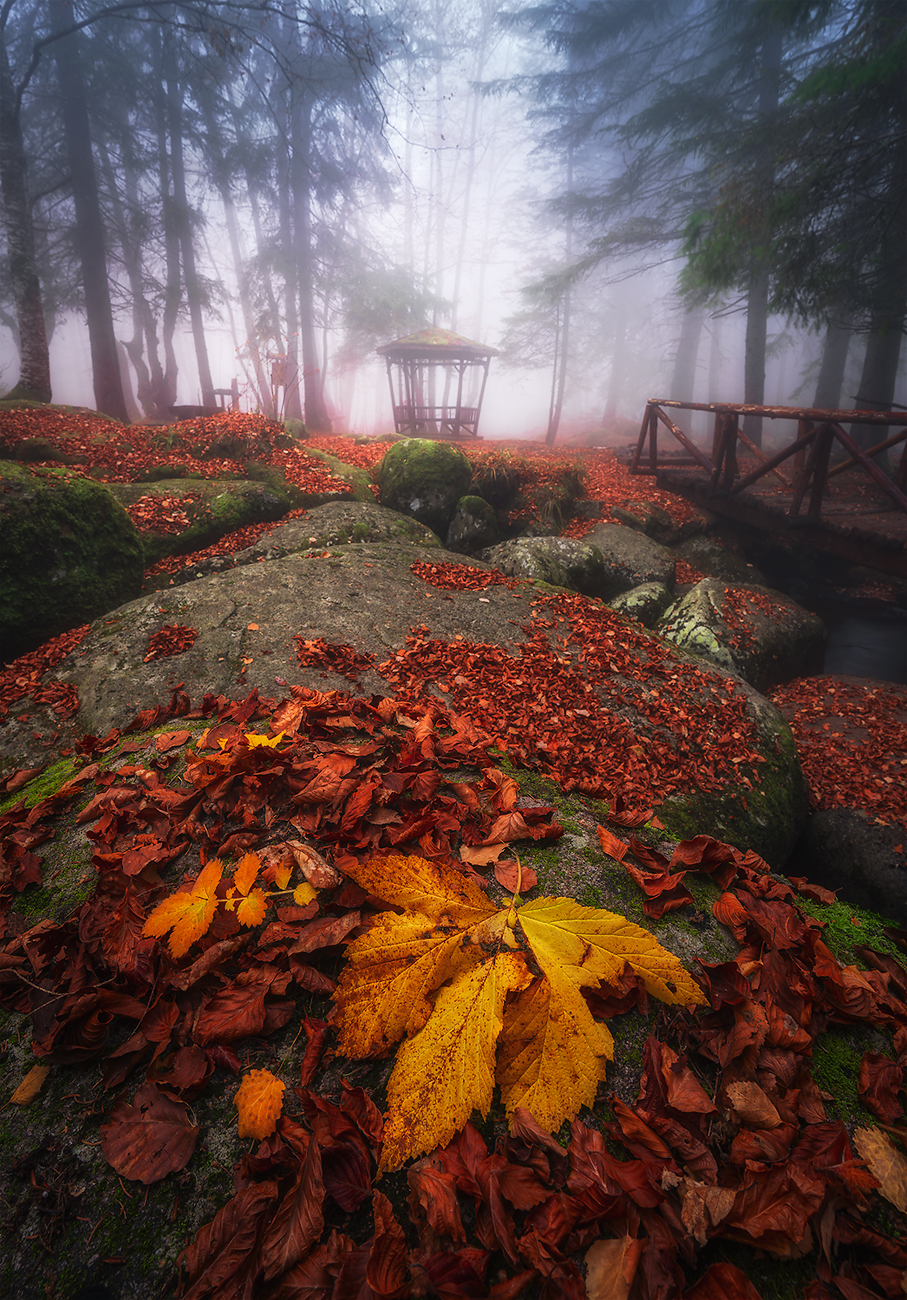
30	1086
887	1163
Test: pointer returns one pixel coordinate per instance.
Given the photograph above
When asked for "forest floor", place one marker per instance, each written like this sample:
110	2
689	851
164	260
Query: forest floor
735	1171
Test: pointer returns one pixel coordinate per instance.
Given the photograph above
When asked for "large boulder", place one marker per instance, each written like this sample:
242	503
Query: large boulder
844	850
425	479
652	519
599	707
765	637
68	552
630	559
559	561
716	561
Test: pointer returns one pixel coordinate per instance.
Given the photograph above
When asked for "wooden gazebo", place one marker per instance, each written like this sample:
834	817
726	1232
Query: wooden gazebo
425	367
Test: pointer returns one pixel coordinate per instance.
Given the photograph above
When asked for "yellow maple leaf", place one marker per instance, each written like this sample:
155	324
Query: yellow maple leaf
247	870
461	982
304	893
259	1101
252	909
188	913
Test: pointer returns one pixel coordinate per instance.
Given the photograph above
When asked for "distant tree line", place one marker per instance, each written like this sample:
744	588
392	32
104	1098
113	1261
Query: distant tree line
762	143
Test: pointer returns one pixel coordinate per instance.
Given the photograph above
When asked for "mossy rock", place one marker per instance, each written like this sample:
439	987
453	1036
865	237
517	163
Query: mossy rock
474	526
68	553
222	507
424	479
358	479
764	636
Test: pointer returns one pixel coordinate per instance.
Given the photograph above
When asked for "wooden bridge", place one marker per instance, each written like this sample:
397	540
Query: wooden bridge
822	482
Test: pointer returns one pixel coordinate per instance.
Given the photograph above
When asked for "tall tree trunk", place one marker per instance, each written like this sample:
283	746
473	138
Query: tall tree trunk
292	402
184	222
831	369
557	403
883	347
89	227
222	181
683	378
615	382
316	414
34	364
758	288
172	284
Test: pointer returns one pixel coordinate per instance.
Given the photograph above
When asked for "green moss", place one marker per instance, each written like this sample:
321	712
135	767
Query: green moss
68	552
46	783
424	479
836	1069
847	927
358	479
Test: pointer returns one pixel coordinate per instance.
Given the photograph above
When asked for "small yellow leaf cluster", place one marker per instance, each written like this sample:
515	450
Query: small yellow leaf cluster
188	914
482	996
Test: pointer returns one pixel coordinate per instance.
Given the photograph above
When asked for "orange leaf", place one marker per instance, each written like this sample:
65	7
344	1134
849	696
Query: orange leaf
611	845
246	871
480	857
189	913
30	1086
259	1102
251	910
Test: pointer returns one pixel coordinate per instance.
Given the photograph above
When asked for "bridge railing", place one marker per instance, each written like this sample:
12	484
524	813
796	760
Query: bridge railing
817	431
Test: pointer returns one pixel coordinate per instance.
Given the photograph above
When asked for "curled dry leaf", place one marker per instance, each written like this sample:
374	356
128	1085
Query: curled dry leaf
887	1163
259	1102
314	867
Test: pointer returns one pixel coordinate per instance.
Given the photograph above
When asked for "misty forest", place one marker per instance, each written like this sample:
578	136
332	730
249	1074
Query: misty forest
644	198
453	831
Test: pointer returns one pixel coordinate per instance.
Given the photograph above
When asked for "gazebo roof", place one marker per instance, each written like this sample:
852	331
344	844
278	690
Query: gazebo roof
434	344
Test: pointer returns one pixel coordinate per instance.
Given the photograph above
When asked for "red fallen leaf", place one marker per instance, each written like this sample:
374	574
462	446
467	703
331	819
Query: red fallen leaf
664	893
186	1072
722	1281
513	876
314	1278
347	1172
377	1269
458	1275
149	1138
222	1247
818	893
881	1079
433	1198
237	1011
170	740
357	1103
599	1180
614	847
299	1220
316	1032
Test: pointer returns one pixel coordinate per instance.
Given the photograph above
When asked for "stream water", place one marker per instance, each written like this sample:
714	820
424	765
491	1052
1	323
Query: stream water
865	645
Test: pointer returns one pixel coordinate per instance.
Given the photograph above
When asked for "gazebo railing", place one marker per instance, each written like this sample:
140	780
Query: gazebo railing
452	418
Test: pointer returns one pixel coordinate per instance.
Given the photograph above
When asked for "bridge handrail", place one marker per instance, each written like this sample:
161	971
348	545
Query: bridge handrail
816	429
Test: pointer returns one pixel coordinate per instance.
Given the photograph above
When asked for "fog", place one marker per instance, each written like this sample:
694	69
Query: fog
277	201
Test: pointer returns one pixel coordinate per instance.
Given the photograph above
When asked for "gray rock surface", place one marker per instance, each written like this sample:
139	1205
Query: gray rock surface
367	597
842	849
764	636
560	561
653	520
630	559
716	561
473	527
647	602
